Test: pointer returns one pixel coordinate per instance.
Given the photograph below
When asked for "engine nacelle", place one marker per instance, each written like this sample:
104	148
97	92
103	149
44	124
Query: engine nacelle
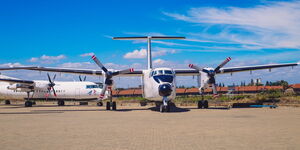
20	87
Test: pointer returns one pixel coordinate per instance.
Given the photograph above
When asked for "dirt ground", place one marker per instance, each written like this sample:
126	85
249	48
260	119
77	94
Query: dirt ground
50	127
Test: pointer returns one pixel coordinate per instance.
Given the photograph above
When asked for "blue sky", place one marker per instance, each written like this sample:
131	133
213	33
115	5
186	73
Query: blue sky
59	33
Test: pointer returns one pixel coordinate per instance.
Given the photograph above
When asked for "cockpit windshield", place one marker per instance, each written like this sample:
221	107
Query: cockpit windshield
161	72
163	76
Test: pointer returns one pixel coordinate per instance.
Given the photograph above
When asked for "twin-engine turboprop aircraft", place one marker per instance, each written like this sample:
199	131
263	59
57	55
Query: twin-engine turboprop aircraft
159	84
30	90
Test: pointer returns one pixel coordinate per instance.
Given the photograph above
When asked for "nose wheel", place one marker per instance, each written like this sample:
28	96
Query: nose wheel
165	105
163	108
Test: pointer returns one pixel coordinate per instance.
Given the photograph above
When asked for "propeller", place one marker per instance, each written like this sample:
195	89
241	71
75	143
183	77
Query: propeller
80	79
51	84
211	73
108	75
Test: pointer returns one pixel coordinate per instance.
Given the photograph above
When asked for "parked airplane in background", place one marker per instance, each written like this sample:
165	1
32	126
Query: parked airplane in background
158	84
17	89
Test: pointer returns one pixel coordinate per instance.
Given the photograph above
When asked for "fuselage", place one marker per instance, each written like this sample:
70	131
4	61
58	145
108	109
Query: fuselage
158	83
64	91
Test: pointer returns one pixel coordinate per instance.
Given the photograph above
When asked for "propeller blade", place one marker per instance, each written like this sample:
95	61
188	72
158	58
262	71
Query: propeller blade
84	78
223	64
54	78
49	78
54	91
123	71
195	67
80	78
97	61
102	94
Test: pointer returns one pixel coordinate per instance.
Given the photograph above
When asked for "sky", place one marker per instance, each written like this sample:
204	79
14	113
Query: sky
65	33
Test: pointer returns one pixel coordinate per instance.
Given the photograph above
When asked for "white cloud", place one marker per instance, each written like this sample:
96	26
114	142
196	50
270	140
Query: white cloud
33	59
273	25
136	54
83	65
11	64
87	54
142	53
159	62
44	59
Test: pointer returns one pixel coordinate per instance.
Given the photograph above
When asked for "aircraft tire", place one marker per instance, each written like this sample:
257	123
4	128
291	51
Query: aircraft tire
205	104
60	103
107	105
99	104
28	104
114	106
200	104
7	102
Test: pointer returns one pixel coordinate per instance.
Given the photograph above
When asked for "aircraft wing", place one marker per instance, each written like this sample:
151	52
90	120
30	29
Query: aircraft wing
258	67
71	70
192	72
16	81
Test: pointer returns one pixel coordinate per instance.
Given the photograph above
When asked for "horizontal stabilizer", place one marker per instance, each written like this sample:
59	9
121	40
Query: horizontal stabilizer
149	37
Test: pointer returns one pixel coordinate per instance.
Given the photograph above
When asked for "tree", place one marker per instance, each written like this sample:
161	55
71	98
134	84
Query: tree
267	83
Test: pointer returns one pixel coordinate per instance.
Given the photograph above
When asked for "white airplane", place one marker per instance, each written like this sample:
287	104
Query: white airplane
158	84
30	90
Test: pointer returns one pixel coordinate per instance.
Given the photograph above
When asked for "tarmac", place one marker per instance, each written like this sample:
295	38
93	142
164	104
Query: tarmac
49	127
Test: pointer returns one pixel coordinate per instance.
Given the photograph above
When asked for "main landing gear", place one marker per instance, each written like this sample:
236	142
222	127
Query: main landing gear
110	105
28	102
61	103
7	102
202	103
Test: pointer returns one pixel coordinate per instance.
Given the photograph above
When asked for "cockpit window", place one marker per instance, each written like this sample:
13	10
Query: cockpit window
168	72
161	72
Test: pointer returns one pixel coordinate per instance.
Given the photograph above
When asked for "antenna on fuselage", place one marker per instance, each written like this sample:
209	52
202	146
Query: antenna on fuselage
149	38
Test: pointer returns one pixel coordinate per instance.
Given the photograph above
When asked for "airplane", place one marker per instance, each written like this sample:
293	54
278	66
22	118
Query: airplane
158	84
30	90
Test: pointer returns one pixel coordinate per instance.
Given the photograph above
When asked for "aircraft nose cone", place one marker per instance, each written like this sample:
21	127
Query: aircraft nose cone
165	89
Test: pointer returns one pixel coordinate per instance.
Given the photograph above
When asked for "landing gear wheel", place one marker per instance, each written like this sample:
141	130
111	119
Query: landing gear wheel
163	108
205	104
114	106
28	104
99	104
60	103
7	102
200	104
107	105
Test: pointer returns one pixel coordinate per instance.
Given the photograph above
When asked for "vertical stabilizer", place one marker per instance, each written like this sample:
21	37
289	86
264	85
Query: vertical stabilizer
148	38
